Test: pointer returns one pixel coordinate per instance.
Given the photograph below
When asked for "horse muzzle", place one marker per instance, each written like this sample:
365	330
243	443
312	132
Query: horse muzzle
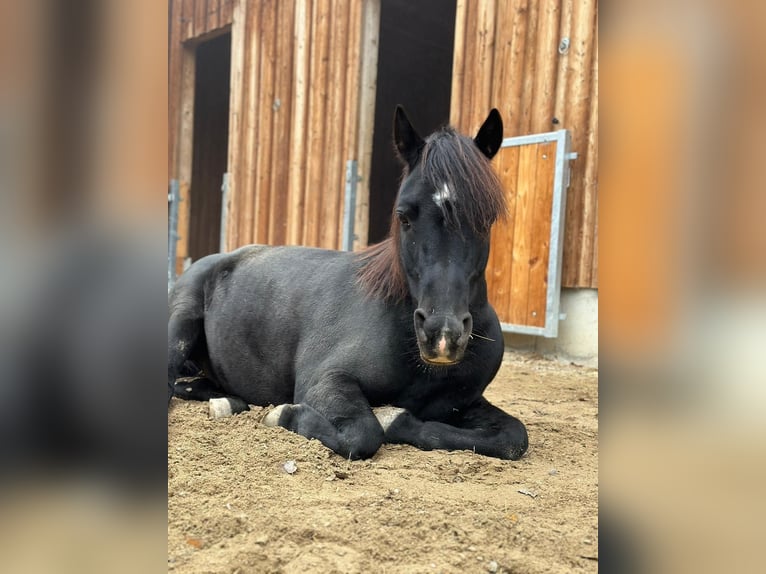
442	338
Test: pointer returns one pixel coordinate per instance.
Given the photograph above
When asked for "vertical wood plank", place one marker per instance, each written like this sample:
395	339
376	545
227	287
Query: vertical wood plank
236	124
187	19
315	178
266	37
297	149
458	64
591	176
481	85
522	236
182	246
213	8
501	78
565	31
278	212
515	65
200	17
544	86
506	164
250	125
174	87
367	88
579	90
332	207
587	272
227	9
540	233
185	150
471	47
528	74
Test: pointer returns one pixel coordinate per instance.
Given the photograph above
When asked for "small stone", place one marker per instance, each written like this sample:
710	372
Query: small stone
553	472
492	566
290	467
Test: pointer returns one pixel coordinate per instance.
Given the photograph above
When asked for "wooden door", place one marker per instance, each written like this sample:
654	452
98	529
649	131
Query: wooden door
524	271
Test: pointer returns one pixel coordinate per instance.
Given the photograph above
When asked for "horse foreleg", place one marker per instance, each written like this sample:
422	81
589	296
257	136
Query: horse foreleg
482	428
335	412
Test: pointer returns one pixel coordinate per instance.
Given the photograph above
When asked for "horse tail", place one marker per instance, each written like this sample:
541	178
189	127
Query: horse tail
186	333
187	347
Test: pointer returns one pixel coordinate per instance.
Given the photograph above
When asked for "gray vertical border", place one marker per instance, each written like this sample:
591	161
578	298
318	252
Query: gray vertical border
558	215
558	212
349	207
174	198
224	212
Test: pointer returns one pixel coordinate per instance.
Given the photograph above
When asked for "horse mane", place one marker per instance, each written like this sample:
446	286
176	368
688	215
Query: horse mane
447	157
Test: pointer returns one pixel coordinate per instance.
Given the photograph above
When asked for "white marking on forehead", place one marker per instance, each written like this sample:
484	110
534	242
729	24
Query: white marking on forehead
443	194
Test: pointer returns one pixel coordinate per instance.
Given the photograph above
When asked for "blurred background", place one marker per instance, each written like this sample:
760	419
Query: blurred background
83	110
682	285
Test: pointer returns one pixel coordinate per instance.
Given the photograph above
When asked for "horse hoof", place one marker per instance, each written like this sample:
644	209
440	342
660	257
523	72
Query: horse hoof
272	418
220	408
387	415
223	407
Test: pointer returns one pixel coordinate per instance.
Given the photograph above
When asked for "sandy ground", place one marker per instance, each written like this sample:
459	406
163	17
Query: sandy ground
233	508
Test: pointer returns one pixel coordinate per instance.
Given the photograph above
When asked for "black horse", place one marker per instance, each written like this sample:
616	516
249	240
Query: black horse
393	344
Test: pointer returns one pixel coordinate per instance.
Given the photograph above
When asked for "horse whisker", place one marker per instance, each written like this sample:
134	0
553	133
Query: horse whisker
472	335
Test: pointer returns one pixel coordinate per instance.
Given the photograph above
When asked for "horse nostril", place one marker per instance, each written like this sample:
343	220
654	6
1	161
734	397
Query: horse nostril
467	324
420	319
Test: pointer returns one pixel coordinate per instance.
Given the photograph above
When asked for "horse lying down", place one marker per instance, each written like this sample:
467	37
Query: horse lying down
394	344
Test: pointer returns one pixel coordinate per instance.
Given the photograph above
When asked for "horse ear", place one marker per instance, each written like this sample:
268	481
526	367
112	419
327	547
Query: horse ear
490	136
408	142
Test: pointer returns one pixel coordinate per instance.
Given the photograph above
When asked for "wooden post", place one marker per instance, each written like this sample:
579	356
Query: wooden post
367	88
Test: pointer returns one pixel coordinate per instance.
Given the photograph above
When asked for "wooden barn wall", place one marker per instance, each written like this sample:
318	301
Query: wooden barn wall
200	17
507	56
294	119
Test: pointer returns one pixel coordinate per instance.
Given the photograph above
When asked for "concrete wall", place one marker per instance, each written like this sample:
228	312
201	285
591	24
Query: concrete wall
578	333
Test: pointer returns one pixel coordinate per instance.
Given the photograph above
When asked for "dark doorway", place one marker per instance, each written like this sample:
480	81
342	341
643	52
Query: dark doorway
415	70
211	144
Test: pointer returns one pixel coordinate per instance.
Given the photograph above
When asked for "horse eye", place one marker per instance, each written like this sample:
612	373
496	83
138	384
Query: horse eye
404	220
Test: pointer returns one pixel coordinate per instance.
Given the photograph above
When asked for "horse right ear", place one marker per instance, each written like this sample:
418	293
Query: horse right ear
408	142
490	136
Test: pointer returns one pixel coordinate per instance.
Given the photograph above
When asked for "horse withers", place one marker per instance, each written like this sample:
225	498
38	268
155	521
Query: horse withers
395	343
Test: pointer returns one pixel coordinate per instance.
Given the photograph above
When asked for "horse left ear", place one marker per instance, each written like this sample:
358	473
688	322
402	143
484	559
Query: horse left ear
490	136
408	142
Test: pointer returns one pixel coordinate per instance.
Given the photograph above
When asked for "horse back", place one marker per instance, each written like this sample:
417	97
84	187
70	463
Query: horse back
275	315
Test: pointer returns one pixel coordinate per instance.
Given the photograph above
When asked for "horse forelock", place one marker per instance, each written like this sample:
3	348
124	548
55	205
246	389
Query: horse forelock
448	159
452	159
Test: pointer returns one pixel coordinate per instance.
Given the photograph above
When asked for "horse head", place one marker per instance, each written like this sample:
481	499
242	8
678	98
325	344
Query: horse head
447	202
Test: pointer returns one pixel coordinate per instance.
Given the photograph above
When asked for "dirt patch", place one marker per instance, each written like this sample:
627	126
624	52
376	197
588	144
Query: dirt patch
232	506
